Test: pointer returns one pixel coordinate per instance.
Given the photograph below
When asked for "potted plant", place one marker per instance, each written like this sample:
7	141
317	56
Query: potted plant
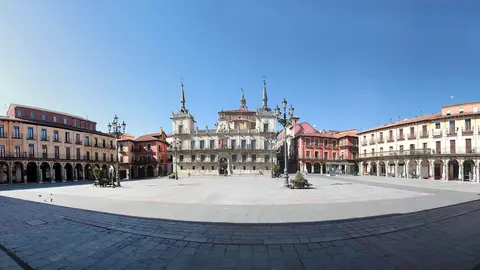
300	182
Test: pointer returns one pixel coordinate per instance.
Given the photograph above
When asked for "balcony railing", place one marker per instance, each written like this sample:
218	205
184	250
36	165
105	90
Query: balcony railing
3	134
467	131
424	134
412	136
364	142
372	141
78	142
381	140
56	139
17	135
68	140
411	152
43	156
45	138
87	143
400	137
451	132
437	133
31	137
390	139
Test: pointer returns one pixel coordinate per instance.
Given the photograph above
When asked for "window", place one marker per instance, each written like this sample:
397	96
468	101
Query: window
265	127
203	168
65	120
95	142
32	115
57	151
244	158
78	153
88	155
308	154
401	149
180	129
475	109
202	144
2	131
30	133
19	113
452	126
67	137
202	158
193	158
17	150
213	168
75	123
56	136
325	142
307	142
316	142
233	144
334	155
253	144
468	124
16	132
448	112
104	157
265	144
460	110
212	144
334	143
390	149
193	167
104	144
121	159
325	155
111	157
31	150
316	154
234	158
373	151
96	156
181	158
44	117
67	151
192	144
390	134
54	119
244	144
2	150
212	158
87	141
149	147
437	125
244	167
381	149
424	146
77	138
44	134
267	158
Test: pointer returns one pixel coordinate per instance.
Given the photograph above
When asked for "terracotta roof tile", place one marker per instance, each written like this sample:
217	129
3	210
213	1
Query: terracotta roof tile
404	122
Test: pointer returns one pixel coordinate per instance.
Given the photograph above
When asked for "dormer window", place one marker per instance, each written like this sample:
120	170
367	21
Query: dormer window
180	129
461	110
32	115
65	120
448	112
19	113
54	119
44	117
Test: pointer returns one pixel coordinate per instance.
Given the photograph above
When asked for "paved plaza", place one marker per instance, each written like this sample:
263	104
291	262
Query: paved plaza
242	222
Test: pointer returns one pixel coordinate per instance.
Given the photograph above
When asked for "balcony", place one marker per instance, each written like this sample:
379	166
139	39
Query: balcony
467	131
411	152
372	141
31	137
56	139
40	156
437	133
364	142
451	132
424	134
78	142
45	138
400	137
67	140
87	143
3	134
412	136
381	140
17	136
390	139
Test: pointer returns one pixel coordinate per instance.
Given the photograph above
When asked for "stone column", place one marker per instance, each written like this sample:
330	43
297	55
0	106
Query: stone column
40	175
431	172
419	169
378	168
460	172
64	175
128	174
52	174
75	175
10	176
445	176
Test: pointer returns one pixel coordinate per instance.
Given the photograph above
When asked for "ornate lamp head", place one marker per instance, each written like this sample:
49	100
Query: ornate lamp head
284	103
277	111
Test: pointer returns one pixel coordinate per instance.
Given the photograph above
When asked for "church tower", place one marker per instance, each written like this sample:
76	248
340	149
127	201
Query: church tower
182	121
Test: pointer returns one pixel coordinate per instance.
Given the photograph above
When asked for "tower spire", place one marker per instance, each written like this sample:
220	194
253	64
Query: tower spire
182	98
243	101
265	98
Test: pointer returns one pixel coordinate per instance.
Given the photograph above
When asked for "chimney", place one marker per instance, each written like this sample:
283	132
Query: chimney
161	131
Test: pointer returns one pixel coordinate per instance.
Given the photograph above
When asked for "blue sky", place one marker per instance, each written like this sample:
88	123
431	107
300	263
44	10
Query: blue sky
342	64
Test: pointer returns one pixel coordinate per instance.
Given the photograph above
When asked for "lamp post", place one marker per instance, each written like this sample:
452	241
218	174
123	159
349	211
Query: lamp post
117	130
284	121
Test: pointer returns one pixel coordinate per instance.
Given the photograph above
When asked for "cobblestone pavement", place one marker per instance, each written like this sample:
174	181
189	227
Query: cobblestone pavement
47	236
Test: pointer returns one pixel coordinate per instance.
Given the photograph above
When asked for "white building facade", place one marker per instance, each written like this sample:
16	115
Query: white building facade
439	146
239	143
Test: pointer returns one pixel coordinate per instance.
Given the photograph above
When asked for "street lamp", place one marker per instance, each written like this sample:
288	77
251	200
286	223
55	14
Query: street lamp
117	130
284	121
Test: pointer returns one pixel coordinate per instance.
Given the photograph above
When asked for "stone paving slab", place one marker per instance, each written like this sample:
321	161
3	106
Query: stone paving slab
445	238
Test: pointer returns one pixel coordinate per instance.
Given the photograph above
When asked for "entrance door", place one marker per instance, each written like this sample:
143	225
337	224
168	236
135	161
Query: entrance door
468	145
223	168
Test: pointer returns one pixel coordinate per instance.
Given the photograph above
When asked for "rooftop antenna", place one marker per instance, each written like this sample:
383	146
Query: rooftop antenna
421	113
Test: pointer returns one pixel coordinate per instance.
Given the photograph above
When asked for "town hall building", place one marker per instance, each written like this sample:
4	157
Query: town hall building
239	143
